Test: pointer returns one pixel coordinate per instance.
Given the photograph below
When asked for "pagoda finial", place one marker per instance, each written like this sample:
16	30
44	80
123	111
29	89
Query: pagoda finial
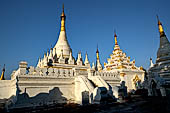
158	19
97	51
2	75
98	64
161	30
63	20
62	14
115	37
63	7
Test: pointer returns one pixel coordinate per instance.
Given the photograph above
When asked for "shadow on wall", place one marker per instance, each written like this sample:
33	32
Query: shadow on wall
53	97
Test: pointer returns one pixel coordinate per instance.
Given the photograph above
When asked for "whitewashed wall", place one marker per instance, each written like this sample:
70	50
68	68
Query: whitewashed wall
7	89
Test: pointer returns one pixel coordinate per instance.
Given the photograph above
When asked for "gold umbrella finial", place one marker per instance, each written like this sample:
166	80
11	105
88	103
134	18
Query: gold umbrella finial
161	30
63	20
115	37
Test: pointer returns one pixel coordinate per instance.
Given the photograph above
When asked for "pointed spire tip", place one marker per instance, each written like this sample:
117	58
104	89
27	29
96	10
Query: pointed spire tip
159	22
63	7
115	33
115	36
4	68
62	14
97	51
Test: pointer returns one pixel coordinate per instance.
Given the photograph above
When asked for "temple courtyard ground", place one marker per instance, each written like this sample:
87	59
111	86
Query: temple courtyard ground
132	104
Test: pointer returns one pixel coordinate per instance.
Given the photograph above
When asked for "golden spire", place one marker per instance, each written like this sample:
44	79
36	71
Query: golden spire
2	75
63	20
115	38
97	53
98	64
161	30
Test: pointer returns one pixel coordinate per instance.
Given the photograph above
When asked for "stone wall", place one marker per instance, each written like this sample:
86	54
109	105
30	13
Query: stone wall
129	79
7	89
34	86
43	86
112	78
8	93
35	90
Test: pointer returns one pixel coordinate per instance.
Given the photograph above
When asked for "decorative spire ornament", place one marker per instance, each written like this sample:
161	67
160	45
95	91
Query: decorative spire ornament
79	59
97	53
86	62
3	72
63	17
115	36
116	43
98	64
93	66
161	30
71	59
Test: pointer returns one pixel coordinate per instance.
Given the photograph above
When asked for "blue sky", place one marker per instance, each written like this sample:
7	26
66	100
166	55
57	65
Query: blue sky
29	27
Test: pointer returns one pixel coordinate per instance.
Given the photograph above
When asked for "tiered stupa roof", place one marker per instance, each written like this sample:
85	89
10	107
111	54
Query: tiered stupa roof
119	60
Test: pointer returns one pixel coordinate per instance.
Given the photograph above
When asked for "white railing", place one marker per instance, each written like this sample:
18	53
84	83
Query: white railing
112	75
49	72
